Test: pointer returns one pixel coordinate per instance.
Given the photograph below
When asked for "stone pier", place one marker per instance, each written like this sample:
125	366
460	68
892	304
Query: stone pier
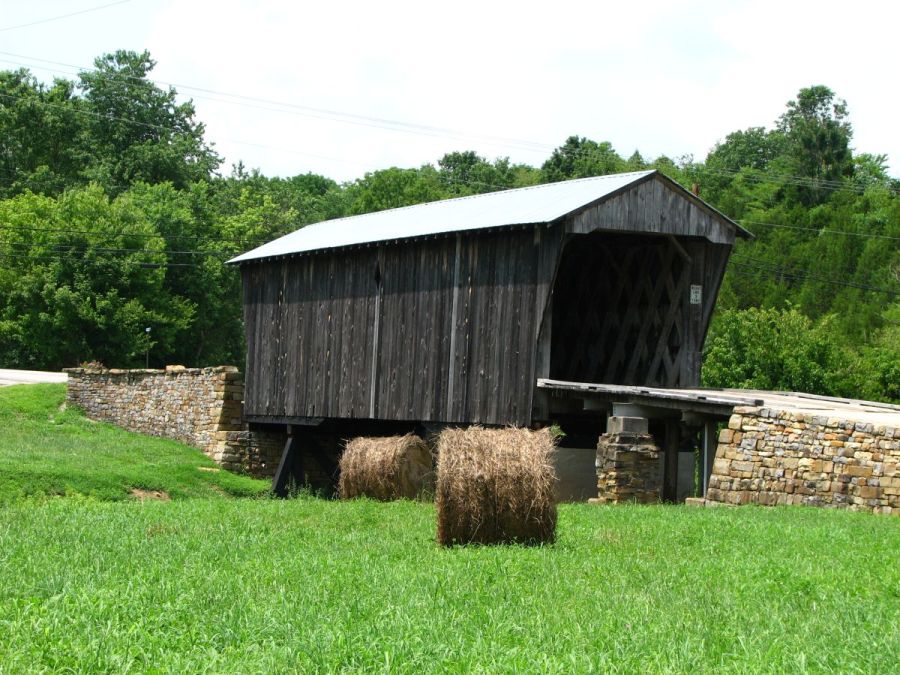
628	464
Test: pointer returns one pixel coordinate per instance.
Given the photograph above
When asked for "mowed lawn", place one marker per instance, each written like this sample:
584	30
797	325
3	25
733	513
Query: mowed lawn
222	584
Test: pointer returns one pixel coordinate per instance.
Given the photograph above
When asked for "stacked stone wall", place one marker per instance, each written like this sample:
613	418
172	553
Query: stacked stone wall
770	457
253	452
202	407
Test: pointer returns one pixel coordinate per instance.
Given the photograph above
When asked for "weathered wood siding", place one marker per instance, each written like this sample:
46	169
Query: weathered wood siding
368	333
653	207
456	329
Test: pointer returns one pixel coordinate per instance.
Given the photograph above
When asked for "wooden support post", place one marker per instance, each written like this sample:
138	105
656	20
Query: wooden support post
290	467
323	454
693	318
670	467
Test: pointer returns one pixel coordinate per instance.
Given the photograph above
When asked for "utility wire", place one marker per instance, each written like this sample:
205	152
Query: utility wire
294	108
866	235
68	258
64	16
395	125
136	235
82	248
256	242
773	270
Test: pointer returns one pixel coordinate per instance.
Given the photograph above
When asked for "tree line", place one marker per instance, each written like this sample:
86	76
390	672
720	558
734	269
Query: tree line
115	216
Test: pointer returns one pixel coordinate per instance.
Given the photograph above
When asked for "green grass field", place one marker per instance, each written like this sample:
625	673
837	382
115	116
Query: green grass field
48	450
211	583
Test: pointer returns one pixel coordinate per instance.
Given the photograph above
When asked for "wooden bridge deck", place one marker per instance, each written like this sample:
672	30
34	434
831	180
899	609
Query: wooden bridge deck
722	402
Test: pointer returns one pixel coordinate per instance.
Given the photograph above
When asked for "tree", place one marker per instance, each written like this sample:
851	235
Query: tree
392	188
82	276
40	132
137	131
467	173
580	157
770	349
817	137
753	148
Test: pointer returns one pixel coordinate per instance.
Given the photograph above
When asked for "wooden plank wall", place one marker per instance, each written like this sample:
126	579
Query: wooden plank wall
368	333
652	207
456	329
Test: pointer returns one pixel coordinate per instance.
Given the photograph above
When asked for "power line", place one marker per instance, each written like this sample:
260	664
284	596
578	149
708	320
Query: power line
773	270
49	257
81	249
446	179
168	130
867	235
408	127
799	181
309	111
137	235
806	180
256	242
64	16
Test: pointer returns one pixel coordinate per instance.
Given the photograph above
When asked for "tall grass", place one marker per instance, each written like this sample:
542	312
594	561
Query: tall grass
311	585
97	582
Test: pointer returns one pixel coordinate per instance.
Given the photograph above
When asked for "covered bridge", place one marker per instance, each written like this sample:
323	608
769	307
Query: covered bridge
450	312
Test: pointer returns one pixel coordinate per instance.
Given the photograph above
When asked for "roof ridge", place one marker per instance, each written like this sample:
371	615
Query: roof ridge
540	203
480	195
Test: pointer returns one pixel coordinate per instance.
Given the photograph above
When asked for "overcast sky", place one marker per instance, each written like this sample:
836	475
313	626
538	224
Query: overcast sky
506	79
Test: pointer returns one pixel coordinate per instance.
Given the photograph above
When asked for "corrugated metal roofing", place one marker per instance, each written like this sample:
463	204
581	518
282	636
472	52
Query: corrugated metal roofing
522	206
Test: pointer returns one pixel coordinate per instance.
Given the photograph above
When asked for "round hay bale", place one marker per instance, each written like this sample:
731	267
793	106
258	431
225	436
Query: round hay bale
495	485
385	468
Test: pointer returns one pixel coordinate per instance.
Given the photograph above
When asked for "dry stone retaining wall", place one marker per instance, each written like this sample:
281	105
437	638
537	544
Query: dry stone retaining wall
202	407
770	457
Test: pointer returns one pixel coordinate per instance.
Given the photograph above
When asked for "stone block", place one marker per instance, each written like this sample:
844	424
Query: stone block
721	466
618	424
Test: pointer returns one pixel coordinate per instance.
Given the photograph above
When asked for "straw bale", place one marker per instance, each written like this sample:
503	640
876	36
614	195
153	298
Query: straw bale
386	468
495	485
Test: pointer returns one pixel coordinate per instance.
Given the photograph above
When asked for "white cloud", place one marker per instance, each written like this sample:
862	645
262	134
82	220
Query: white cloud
663	78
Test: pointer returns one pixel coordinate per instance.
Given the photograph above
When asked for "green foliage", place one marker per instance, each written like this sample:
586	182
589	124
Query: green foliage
64	299
770	349
393	188
872	372
581	157
137	131
817	136
118	157
48	450
41	145
120	129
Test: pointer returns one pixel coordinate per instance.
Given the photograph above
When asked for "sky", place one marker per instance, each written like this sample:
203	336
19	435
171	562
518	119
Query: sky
342	88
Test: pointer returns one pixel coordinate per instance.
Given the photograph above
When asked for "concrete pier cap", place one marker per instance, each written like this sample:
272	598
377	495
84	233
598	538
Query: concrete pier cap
618	424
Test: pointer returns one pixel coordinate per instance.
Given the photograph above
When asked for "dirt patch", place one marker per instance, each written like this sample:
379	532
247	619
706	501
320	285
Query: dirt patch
161	495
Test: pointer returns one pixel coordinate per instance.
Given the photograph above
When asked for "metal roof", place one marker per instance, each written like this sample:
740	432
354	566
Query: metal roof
522	206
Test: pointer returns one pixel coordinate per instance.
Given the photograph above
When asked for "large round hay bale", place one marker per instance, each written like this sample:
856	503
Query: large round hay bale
385	468
495	485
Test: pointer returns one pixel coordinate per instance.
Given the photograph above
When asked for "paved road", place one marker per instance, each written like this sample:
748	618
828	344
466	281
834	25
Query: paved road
8	377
